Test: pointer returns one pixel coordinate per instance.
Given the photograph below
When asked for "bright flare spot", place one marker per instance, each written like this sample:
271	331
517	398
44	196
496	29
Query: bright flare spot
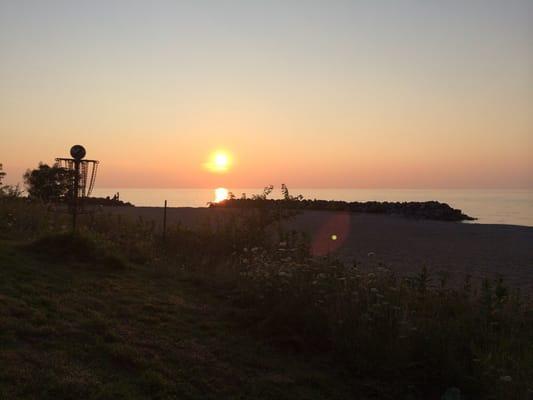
220	161
333	237
221	194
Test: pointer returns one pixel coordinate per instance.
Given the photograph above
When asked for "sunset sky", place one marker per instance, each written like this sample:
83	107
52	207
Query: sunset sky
360	94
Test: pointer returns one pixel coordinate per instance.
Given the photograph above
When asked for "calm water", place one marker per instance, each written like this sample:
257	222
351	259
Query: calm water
490	206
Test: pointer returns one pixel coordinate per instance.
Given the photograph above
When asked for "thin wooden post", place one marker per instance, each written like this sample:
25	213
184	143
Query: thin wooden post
165	221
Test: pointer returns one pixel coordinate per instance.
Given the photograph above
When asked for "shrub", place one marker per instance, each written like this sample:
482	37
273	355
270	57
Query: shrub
68	247
402	329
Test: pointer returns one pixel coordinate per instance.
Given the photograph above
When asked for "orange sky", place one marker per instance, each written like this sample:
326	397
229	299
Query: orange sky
413	96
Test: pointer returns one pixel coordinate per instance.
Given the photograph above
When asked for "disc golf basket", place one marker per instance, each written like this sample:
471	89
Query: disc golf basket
84	175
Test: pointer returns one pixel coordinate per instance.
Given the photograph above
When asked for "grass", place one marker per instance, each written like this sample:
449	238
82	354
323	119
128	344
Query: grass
79	330
239	310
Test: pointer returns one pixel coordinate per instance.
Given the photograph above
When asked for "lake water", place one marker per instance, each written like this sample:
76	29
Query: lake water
513	207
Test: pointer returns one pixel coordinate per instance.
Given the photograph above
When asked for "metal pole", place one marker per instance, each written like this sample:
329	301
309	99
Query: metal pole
75	194
165	221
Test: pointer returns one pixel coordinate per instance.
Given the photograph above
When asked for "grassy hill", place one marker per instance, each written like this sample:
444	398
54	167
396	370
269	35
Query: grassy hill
239	311
72	330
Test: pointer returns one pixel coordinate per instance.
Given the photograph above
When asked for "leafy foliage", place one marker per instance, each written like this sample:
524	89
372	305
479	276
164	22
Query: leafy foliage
48	184
263	196
402	329
9	191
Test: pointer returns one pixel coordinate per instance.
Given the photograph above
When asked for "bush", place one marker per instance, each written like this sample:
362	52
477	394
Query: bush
398	329
49	184
68	247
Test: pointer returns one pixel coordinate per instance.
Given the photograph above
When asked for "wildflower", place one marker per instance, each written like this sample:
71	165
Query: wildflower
322	276
245	261
284	274
254	249
282	244
371	275
506	378
374	290
371	254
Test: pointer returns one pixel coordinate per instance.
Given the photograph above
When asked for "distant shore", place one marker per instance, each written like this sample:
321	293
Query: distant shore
402	244
497	206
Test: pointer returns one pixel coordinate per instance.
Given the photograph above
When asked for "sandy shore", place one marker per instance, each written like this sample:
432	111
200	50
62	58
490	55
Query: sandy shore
404	245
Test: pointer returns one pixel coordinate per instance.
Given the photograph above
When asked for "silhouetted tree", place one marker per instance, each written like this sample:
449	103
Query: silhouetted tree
8	190
288	196
2	174
266	191
47	183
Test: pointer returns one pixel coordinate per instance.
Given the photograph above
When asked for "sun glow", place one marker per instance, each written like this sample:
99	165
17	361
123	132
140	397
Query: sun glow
220	161
221	194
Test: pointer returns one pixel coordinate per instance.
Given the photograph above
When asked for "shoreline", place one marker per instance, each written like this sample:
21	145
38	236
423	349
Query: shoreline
474	221
403	244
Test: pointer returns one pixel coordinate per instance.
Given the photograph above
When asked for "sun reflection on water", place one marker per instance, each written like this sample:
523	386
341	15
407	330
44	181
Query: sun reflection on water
221	194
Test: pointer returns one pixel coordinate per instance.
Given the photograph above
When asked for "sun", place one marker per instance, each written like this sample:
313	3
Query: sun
220	161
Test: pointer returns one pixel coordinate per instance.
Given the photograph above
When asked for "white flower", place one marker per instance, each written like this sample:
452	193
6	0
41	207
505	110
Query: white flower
506	378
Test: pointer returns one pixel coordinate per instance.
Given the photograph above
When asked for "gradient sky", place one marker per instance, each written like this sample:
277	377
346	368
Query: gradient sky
391	94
